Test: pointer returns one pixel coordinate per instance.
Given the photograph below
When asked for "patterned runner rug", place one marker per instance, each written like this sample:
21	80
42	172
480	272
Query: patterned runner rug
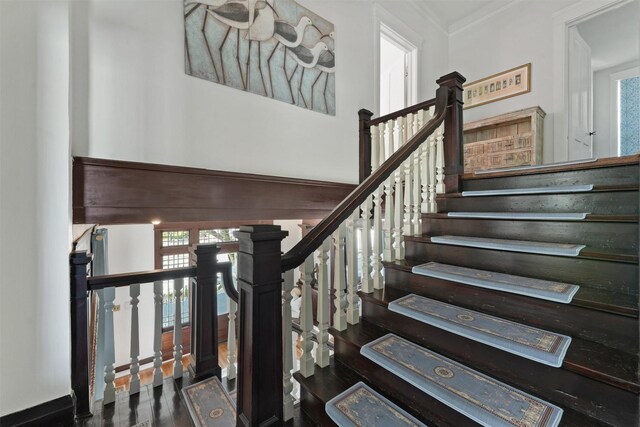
532	190
479	397
360	405
532	343
209	404
543	248
535	288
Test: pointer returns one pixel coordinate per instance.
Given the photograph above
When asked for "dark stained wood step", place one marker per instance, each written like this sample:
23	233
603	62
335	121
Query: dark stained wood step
611	201
348	344
595	270
601	232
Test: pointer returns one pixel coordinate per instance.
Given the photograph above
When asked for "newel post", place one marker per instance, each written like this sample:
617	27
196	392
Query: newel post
260	384
78	262
364	131
204	314
453	135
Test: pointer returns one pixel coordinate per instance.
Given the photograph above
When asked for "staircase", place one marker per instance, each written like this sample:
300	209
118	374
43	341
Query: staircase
486	282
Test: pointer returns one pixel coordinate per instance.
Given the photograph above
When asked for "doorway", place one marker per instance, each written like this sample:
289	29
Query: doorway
397	71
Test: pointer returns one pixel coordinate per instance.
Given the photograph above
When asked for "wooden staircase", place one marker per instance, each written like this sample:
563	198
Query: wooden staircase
597	384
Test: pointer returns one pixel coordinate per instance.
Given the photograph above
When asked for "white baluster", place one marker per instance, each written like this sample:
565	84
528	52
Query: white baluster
109	348
177	328
322	352
416	181
398	199
439	163
425	166
408	229
339	279
306	320
231	340
353	309
376	253
157	334
134	385
287	362
375	148
365	242
382	143
431	196
388	201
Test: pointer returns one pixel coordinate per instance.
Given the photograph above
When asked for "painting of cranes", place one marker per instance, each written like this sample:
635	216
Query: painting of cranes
274	48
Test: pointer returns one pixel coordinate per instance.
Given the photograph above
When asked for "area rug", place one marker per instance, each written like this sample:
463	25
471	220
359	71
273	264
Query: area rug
520	216
531	343
533	167
481	398
533	190
542	248
209	404
361	406
535	288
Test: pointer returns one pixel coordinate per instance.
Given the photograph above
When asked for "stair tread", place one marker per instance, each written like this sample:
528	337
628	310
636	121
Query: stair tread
560	189
526	246
589	252
595	189
365	332
588	218
593	298
587	358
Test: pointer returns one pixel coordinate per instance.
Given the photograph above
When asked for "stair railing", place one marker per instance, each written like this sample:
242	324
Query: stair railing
406	158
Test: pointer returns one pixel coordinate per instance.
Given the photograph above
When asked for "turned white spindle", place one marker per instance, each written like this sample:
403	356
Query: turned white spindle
339	279
287	361
416	182
439	163
425	167
376	243
157	334
109	348
306	320
431	170
398	205
177	328
388	200
134	385
365	243
353	307
407	228
231	341
322	351
375	148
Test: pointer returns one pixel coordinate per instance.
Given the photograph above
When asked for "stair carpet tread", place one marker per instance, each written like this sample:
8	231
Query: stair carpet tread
364	333
529	216
588	252
544	248
592	298
584	357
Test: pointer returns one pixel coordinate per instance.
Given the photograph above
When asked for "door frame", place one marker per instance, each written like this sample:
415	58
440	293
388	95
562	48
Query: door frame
562	20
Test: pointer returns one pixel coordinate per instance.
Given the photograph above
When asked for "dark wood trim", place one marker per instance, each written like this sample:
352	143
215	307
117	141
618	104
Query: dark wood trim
364	131
453	134
126	279
78	262
56	412
119	192
312	241
412	109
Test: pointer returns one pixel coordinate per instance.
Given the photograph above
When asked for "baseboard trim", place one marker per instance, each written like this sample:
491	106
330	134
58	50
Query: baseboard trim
56	412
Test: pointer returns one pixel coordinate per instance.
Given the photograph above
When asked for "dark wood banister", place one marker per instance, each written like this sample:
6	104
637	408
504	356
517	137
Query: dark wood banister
119	280
400	113
316	236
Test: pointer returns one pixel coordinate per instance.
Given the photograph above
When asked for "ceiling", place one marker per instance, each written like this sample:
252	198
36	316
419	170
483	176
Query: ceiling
450	12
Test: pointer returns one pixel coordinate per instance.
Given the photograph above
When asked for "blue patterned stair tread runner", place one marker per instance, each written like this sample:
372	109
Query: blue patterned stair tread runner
520	216
479	397
542	248
532	343
209	404
535	288
533	190
361	406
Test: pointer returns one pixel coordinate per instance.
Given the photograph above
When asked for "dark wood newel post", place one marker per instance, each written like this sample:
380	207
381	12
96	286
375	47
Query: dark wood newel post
453	136
364	130
204	317
78	262
260	383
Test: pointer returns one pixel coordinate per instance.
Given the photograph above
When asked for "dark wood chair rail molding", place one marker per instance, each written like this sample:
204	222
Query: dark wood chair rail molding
122	192
312	241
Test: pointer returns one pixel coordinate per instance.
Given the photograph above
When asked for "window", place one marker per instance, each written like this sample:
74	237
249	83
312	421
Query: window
629	115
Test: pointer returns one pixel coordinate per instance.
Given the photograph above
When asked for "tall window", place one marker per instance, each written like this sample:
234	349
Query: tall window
629	115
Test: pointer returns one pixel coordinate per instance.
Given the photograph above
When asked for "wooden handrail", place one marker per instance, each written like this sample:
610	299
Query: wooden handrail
401	113
227	280
119	280
312	241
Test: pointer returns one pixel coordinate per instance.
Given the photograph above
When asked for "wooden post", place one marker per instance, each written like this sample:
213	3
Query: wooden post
364	129
204	314
453	136
78	262
260	388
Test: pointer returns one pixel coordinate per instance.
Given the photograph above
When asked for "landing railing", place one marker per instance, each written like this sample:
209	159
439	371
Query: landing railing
201	279
406	158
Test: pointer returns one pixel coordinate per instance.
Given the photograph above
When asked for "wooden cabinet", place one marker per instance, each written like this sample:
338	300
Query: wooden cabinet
503	141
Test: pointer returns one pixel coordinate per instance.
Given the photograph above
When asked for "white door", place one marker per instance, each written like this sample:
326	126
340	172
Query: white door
580	93
393	77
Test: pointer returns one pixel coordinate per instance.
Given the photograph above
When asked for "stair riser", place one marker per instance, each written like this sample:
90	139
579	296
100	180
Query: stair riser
593	234
608	275
597	326
564	388
610	203
621	175
389	384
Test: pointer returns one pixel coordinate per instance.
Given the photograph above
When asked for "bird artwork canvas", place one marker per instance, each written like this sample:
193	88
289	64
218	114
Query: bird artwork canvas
274	48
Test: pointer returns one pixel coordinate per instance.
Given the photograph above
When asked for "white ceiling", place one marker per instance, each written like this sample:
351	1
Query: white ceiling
450	12
614	36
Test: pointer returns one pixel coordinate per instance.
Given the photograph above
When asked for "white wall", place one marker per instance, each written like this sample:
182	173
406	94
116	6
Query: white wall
514	36
35	231
143	107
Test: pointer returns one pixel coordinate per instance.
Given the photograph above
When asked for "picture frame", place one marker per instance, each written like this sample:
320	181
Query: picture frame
506	84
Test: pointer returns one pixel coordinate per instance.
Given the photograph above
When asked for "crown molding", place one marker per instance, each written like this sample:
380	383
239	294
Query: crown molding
486	12
426	12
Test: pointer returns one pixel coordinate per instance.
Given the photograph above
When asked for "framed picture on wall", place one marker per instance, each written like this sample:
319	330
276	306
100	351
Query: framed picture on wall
506	84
